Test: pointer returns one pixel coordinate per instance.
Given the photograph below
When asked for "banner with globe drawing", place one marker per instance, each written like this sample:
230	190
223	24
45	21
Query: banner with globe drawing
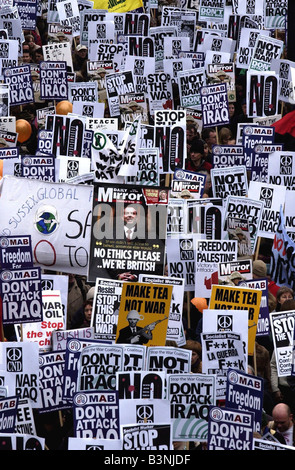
56	215
191	396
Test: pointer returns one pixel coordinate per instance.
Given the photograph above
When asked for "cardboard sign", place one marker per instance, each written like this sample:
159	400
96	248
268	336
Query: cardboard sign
143	314
189	415
233	423
55	205
147	437
120	83
281	169
16	252
170	138
208	253
214	105
53	80
169	359
238	298
98	367
260	161
222	350
273	197
21	295
20	84
229	181
51	371
282	327
39	168
19	368
105	407
262	94
133	252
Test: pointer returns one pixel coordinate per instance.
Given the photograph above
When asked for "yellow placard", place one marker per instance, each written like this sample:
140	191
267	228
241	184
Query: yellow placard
117	6
143	314
239	298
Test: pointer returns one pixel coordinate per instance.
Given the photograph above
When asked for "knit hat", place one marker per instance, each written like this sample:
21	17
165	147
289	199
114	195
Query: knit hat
236	275
259	268
90	293
197	146
200	303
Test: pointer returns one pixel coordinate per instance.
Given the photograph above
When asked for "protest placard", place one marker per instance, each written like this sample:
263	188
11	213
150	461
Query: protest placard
227	156
265	50
120	83
58	211
170	131
245	392
53	80
176	216
147	437
214	105
96	415
144	411
105	310
141	384
16	252
39	168
273	197
190	82
8	412
87	443
235	321
208	254
230	429
171	360
239	298
238	229
19	367
190	396
119	206
160	93
262	93
20	84
21	442
25	423
229	181
246	208
282	327
51	376
263	327
222	350
52	318
281	169
188	180
174	329
181	260
206	216
21	295
148	304
98	366
260	161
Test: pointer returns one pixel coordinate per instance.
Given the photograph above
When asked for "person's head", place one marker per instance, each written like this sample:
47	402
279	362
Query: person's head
288	305
39	55
259	269
225	135
191	132
282	416
88	310
130	216
284	293
27	58
133	317
231	109
236	277
196	349
209	136
81	51
208	182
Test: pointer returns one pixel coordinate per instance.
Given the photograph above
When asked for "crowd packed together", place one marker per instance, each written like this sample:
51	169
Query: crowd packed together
194	105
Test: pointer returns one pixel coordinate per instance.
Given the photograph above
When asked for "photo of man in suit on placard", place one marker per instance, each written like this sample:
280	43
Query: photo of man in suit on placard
130	217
